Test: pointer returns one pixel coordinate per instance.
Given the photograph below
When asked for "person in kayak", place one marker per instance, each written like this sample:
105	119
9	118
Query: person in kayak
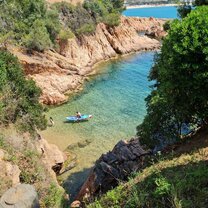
78	115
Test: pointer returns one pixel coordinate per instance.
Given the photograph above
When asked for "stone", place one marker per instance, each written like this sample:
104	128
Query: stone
113	167
21	196
75	204
52	157
10	172
1	154
60	73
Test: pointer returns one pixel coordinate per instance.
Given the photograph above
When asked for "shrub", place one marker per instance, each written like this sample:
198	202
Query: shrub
166	26
54	197
19	98
86	29
64	35
112	19
38	38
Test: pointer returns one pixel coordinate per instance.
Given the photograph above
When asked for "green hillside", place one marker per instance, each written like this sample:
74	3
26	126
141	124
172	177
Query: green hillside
173	180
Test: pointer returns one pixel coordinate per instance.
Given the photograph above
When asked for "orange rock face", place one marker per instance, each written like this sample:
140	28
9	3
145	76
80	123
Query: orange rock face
63	72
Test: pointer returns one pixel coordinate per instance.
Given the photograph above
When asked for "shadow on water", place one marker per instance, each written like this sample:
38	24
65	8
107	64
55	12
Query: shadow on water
75	122
74	182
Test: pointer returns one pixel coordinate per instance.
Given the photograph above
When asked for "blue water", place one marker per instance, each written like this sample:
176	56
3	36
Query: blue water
115	98
158	12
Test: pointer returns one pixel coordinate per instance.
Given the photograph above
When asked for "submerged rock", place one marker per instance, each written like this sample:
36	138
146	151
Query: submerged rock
112	167
21	196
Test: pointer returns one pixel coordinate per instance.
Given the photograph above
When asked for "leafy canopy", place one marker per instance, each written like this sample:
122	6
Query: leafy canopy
37	25
180	72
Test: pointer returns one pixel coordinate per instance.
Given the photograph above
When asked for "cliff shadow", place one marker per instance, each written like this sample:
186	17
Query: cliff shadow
74	182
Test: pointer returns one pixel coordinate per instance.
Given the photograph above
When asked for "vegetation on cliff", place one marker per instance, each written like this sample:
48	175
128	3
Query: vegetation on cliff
19	97
178	99
179	95
186	8
33	171
36	25
174	181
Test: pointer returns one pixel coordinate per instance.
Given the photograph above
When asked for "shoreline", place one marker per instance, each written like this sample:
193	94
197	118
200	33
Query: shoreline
150	5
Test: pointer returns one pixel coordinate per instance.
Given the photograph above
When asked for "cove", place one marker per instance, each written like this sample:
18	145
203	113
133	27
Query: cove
115	97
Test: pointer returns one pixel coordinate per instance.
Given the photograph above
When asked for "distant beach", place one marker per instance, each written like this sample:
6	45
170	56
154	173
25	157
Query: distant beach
150	5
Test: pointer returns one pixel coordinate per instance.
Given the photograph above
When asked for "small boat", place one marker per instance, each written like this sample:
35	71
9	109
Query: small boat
83	117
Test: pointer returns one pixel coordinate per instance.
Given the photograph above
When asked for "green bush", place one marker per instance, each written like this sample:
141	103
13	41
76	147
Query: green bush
19	98
112	19
28	20
64	35
54	197
38	39
166	26
180	75
24	17
86	29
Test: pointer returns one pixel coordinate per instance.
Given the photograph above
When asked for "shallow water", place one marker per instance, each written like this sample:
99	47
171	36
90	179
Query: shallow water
158	12
115	98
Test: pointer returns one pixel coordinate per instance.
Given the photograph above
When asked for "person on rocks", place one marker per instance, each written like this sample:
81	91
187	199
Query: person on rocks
51	121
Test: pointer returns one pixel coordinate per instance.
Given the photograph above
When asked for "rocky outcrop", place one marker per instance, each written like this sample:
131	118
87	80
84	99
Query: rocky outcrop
9	173
113	167
52	157
21	196
59	74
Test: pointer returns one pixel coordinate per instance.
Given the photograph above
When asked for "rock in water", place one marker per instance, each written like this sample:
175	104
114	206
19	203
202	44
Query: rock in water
117	165
21	196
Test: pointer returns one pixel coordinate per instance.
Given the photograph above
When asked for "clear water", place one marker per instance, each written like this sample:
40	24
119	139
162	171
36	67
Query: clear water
158	12
115	98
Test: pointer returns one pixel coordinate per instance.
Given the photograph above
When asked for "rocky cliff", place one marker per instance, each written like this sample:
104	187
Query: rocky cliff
60	73
112	168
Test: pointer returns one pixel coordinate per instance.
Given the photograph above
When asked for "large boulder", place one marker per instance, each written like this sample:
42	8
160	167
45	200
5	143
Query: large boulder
117	165
21	196
9	173
52	156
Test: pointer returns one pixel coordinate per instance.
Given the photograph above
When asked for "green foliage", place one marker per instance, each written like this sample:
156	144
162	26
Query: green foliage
200	2
54	197
19	98
163	187
172	183
27	19
184	10
166	26
180	92
36	25
38	39
82	19
76	18
112	19
86	29
64	35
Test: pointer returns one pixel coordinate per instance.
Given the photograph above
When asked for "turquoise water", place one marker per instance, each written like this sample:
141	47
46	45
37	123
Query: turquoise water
115	98
158	12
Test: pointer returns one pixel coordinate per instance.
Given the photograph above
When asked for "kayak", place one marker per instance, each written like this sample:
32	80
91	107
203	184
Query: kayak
84	117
